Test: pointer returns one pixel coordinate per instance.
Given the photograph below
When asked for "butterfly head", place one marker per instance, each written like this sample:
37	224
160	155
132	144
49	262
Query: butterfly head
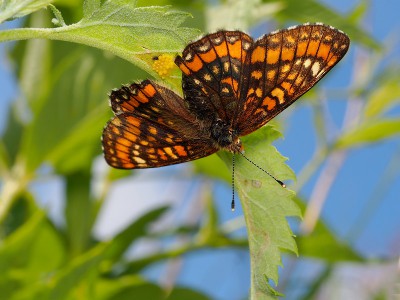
225	136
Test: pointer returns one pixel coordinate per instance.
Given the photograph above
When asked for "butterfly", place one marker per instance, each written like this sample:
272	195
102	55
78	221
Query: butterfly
232	85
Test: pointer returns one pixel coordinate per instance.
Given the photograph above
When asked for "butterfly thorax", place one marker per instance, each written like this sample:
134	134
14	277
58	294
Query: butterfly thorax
225	136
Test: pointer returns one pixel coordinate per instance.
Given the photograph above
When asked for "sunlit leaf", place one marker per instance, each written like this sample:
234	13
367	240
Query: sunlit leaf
369	132
266	205
383	97
10	9
136	34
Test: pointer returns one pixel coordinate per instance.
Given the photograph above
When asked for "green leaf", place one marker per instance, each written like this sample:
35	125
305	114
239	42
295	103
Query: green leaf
135	230
58	20
21	211
383	97
136	34
90	7
76	273
322	244
75	107
13	249
78	212
11	139
128	288
213	167
10	9
143	291
266	205
369	132
28	255
180	293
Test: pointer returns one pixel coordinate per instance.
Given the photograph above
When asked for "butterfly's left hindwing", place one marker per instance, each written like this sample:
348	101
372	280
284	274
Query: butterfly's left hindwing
152	128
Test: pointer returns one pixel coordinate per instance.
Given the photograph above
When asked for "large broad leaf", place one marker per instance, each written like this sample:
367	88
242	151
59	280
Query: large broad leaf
136	34
266	205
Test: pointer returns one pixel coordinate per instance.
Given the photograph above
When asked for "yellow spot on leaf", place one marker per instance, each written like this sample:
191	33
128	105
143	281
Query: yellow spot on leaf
163	64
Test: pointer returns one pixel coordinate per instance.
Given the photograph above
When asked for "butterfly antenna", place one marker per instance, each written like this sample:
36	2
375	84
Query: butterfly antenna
233	183
257	166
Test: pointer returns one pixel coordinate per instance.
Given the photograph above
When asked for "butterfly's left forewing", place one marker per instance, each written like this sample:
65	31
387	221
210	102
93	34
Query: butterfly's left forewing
284	65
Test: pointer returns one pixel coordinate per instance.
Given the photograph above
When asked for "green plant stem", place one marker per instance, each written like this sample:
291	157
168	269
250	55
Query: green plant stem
12	186
135	265
312	166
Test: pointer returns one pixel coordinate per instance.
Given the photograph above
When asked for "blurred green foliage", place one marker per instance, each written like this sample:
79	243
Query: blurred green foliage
58	118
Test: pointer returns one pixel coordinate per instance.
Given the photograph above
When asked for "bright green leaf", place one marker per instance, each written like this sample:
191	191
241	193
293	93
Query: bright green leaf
127	288
58	20
10	9
383	97
90	7
266	205
369	132
136	34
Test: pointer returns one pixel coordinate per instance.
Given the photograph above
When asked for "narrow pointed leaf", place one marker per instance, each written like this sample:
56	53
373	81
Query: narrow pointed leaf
266	205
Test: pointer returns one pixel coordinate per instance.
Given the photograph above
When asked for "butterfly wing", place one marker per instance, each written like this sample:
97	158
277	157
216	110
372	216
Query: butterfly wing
212	74
151	128
284	65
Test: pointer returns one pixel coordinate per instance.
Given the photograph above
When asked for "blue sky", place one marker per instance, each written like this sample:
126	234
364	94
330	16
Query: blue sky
348	197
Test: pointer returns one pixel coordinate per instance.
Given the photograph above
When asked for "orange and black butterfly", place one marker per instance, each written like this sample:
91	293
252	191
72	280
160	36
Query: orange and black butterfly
232	85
